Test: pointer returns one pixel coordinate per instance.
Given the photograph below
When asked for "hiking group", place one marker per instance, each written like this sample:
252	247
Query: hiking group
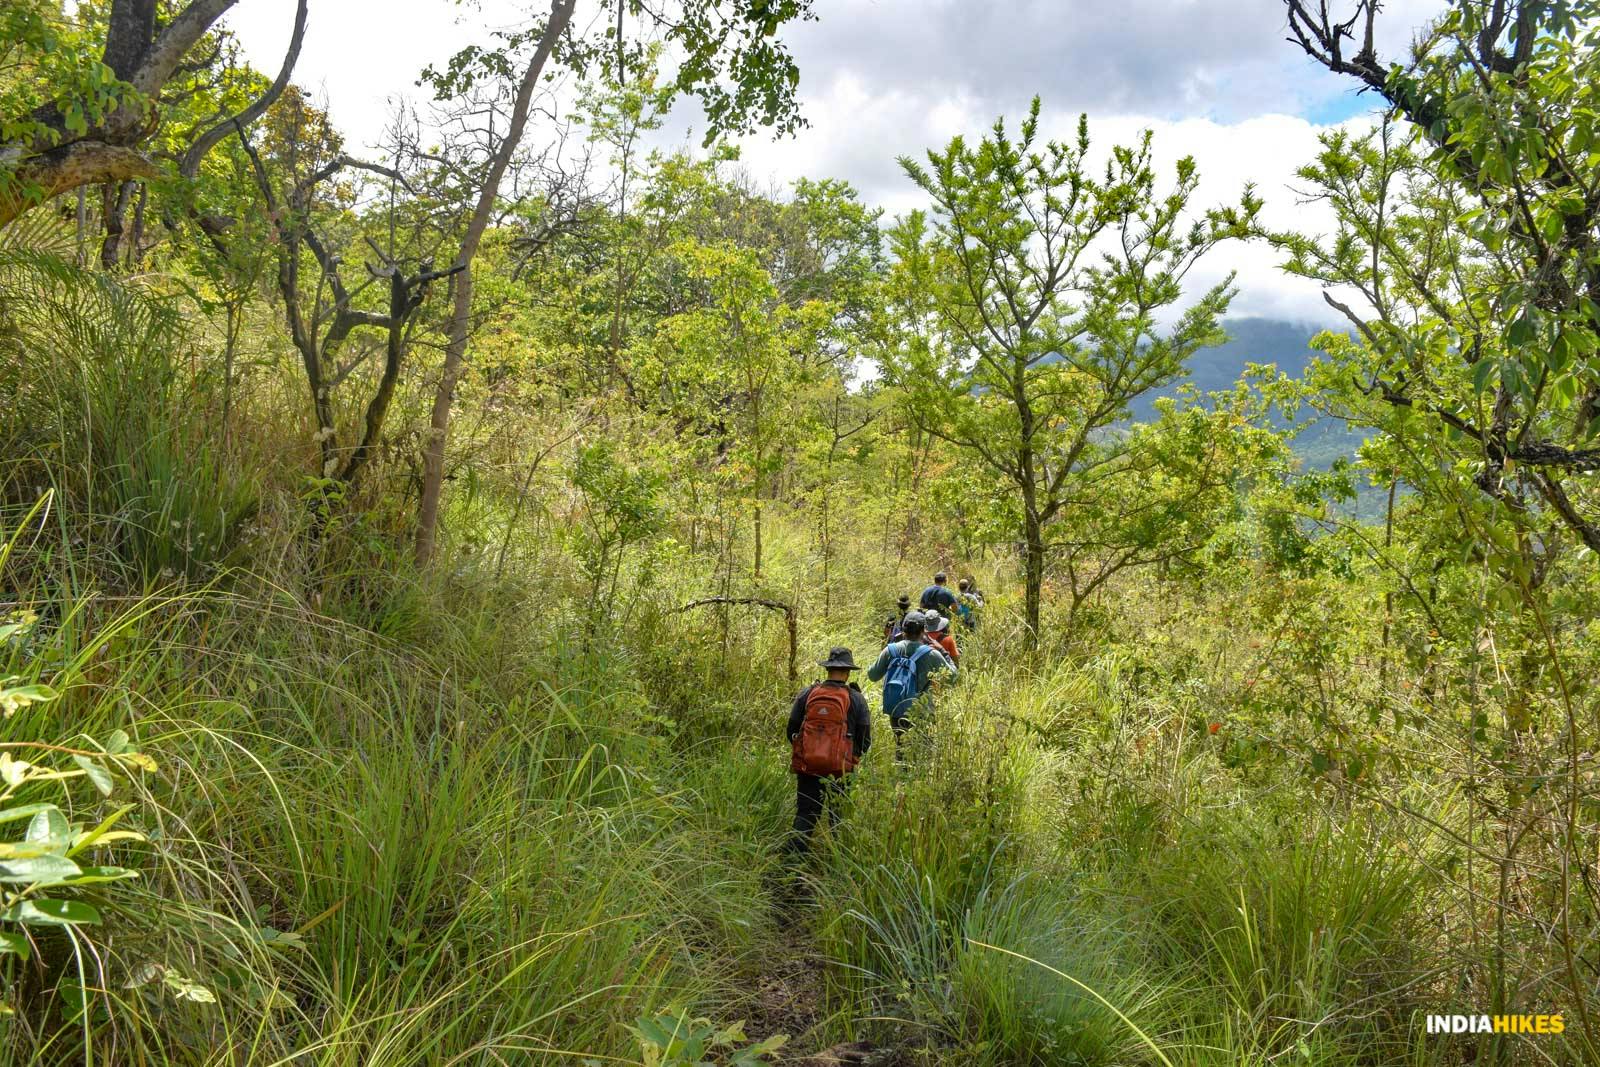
830	725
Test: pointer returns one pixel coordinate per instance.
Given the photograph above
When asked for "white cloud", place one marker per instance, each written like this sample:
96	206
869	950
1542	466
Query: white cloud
885	78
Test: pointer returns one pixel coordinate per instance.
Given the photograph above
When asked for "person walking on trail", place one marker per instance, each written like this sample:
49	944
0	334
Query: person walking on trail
938	596
970	603
830	729
907	668
891	625
937	628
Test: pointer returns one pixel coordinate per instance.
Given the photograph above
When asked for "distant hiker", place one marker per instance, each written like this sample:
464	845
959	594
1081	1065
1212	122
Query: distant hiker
938	630
938	595
970	603
891	626
830	730
906	668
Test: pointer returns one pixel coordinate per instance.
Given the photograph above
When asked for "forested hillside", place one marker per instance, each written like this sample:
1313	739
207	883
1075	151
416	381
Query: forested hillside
410	557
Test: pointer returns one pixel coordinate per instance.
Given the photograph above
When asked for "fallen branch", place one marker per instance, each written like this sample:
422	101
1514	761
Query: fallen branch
759	602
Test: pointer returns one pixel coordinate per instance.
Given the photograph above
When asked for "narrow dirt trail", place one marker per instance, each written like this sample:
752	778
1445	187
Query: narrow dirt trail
789	999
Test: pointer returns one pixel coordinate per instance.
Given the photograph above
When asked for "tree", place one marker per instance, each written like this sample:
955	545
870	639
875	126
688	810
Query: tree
1031	311
1471	236
76	120
707	40
324	314
739	357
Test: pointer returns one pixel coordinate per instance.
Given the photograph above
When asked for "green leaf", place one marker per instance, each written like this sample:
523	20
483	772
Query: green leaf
85	840
36	869
25	811
51	913
1481	372
34	692
16	943
96	773
100	876
1522	329
49	828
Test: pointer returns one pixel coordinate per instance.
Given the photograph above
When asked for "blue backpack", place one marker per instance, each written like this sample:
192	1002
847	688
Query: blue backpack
900	682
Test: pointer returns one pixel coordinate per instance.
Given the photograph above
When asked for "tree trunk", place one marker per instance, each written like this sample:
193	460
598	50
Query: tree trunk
114	211
1033	572
757	567
461	314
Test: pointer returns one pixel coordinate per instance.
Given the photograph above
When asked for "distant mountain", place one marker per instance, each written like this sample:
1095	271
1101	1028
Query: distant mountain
1261	340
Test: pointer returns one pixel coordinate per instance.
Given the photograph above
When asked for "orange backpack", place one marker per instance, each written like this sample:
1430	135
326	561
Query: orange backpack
823	747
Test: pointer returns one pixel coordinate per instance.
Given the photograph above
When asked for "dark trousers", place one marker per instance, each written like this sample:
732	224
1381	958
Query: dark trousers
813	795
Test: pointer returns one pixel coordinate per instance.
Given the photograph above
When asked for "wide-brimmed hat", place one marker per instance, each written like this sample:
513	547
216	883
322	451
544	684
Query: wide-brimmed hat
904	601
840	659
935	622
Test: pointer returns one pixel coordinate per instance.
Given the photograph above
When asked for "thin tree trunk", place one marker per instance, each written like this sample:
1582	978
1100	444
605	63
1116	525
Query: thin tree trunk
1033	573
114	201
83	222
461	314
1388	597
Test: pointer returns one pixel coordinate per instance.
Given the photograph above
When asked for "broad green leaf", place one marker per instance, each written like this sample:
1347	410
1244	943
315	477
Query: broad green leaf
51	913
1480	374
100	876
48	868
25	811
97	774
49	828
16	944
103	834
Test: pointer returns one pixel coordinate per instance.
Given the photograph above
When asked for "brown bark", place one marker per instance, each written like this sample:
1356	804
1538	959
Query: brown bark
461	313
110	152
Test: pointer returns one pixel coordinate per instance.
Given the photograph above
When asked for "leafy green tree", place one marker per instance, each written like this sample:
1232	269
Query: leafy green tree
70	118
1032	311
738	357
1469	237
728	58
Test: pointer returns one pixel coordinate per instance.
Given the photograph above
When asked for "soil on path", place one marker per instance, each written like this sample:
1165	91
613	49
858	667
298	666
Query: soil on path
789	999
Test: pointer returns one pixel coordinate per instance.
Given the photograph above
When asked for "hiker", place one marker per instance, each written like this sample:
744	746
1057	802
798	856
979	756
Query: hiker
970	602
906	668
937	628
829	731
938	595
891	625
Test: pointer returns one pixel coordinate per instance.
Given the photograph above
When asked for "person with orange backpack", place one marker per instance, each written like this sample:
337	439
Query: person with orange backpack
830	729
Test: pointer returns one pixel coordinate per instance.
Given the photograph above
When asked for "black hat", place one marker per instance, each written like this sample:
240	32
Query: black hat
939	578
904	601
841	659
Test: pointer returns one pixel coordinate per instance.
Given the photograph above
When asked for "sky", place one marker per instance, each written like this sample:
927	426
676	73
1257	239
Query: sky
881	79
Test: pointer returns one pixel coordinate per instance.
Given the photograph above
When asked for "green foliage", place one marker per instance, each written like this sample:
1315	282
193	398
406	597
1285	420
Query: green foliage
1017	348
50	62
676	1040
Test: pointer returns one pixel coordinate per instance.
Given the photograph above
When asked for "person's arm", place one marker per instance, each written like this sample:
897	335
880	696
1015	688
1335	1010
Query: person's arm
875	672
797	714
863	722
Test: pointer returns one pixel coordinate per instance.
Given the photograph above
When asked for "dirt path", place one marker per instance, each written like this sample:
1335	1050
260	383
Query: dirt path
789	999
